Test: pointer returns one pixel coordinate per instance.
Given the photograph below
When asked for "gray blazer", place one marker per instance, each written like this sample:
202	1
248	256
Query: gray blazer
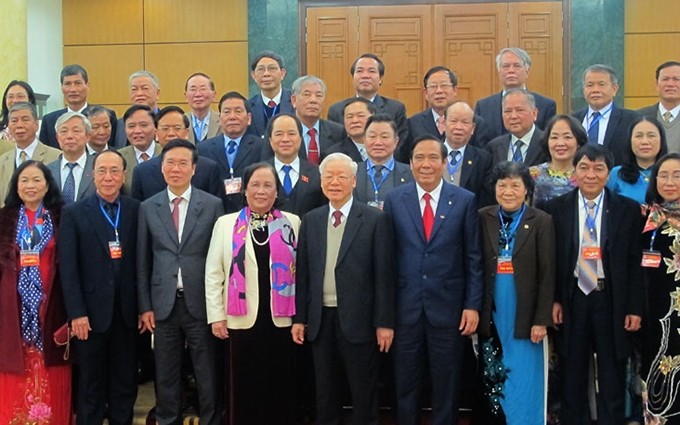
160	255
86	187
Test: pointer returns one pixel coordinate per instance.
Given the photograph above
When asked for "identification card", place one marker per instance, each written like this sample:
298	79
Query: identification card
591	253
505	265
376	204
232	186
651	258
29	258
115	250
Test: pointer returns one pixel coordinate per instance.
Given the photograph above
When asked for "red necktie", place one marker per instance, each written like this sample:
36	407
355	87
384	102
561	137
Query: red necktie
175	212
337	218
271	104
313	151
428	216
144	156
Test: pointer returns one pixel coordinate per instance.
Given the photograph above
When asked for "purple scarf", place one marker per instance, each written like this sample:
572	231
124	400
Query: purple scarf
282	247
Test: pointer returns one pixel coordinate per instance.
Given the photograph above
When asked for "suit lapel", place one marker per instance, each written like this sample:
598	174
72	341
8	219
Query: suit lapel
466	168
362	183
610	220
429	124
99	223
614	120
193	211
86	178
446	200
525	227
165	216
492	228
244	149
534	149
352	226
497	107
410	201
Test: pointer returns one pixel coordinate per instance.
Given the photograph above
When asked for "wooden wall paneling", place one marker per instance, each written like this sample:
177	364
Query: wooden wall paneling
643	53
402	37
467	39
180	21
658	16
108	68
87	22
332	46
537	28
173	63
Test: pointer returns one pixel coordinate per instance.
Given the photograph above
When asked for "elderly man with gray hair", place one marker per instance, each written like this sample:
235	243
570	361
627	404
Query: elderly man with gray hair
513	66
72	171
144	90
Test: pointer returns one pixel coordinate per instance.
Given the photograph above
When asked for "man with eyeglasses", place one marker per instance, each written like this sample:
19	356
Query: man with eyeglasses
199	92
141	132
268	72
97	257
513	66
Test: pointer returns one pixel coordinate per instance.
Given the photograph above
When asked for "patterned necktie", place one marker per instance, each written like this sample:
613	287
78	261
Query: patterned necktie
441	124
23	156
287	182
594	129
69	189
175	212
231	152
111	210
587	268
517	153
428	216
313	150
667	117
377	173
455	157
144	156
337	218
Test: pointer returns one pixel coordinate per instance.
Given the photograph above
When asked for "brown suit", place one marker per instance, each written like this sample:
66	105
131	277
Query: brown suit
213	126
42	153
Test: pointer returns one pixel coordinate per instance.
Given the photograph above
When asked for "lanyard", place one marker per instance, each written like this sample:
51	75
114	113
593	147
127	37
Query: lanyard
591	220
508	233
651	241
114	225
453	168
599	117
267	117
371	174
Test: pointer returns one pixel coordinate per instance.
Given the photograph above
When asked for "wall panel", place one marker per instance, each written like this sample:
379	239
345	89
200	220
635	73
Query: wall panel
88	22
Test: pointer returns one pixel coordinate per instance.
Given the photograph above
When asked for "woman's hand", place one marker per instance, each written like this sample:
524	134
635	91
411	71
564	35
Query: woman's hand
219	329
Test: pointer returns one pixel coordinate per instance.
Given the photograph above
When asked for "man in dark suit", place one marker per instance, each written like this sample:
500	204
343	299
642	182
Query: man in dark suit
522	143
103	122
599	296
513	66
605	123
309	93
234	150
174	233
72	171
441	88
367	73
380	173
466	166
147	179
300	190
97	257
667	109
268	72
439	295
355	114
345	294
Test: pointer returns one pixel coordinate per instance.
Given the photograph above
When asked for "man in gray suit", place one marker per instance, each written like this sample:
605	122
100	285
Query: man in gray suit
667	109
72	171
174	232
380	173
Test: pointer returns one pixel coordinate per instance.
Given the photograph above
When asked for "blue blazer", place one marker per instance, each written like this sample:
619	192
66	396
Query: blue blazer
443	276
616	138
258	123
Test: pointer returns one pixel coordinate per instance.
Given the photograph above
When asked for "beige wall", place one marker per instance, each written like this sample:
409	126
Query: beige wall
13	55
171	38
652	36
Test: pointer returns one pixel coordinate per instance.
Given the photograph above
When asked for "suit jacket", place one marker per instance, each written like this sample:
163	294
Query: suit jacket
347	147
160	255
213	126
364	191
329	134
491	109
42	153
533	262
248	153
621	256
128	153
364	273
48	134
86	187
383	105
218	266
474	174
306	194
258	123
616	138
535	155
88	274
650	112
442	276
147	178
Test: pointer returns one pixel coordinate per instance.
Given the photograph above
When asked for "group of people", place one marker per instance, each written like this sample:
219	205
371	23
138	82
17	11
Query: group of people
316	246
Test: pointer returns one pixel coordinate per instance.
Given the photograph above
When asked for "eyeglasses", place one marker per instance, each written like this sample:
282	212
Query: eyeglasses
271	69
663	177
104	171
443	86
340	178
180	164
166	128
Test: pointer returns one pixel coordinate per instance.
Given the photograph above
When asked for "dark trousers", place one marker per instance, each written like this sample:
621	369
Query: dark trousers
443	349
107	374
169	340
590	330
333	354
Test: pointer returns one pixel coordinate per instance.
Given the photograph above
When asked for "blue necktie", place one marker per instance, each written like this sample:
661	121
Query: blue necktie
287	182
69	190
594	129
231	152
517	153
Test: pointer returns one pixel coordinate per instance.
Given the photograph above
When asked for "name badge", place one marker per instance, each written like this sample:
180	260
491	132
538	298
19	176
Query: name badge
651	259
232	186
29	258
115	250
591	253
376	204
505	265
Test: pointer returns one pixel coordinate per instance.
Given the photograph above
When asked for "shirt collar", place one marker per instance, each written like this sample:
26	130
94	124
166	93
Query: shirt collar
237	140
295	165
149	151
81	161
461	149
435	194
604	110
674	112
186	195
305	129
343	209
526	138
80	111
276	99
389	164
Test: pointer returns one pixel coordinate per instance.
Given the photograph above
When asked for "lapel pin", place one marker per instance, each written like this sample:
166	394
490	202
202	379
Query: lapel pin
402	180
304	179
526	226
469	162
450	202
442	217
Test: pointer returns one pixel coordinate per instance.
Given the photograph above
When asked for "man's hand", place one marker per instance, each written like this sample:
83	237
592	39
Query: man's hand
632	323
298	333
538	333
385	337
468	322
148	322
557	314
80	326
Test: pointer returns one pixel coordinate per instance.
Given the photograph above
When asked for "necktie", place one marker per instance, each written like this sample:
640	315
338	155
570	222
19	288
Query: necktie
441	125
455	157
231	152
362	152
271	104
144	156
428	216
175	212
594	128
517	153
287	182
377	173
23	156
667	117
111	210
69	189
337	218
313	150
198	130
587	269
